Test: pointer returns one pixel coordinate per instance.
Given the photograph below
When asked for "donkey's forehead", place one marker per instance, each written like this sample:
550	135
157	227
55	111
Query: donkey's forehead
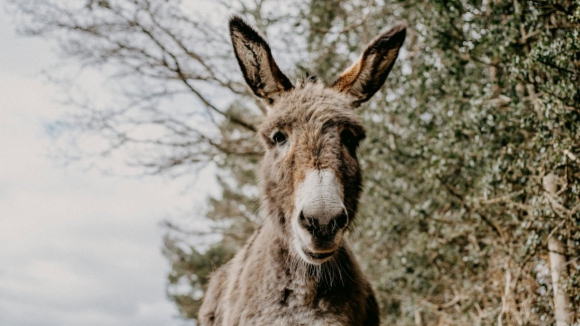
312	104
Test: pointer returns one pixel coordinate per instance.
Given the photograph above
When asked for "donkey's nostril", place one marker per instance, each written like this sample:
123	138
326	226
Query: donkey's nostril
341	220
308	222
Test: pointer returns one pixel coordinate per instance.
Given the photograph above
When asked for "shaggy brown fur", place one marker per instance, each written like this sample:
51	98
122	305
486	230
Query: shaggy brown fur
278	279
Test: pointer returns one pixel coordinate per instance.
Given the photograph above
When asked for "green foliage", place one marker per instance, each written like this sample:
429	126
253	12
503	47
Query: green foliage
456	193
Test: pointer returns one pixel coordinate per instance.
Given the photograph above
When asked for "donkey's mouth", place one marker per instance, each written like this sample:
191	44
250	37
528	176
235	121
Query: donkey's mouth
319	256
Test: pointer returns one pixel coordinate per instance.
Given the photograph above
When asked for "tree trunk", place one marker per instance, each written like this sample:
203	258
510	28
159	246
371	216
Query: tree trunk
557	250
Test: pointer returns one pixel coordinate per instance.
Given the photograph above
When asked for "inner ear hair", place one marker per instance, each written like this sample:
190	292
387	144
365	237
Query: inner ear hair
366	75
256	62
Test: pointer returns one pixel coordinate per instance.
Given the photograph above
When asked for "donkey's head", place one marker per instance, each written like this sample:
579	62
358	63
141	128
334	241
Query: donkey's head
310	174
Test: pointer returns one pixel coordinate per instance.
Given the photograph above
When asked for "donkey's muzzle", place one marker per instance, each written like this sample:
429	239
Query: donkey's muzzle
323	231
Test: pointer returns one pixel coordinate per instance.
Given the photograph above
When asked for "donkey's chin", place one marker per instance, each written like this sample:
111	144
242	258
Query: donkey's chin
319	257
314	257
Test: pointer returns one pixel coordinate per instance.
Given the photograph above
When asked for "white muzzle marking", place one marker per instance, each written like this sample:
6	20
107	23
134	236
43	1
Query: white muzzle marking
319	196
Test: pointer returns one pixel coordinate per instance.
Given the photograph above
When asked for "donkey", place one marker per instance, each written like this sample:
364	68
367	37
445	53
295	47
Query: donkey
298	268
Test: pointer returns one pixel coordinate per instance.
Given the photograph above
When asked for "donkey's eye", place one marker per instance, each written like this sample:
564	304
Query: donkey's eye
349	140
279	138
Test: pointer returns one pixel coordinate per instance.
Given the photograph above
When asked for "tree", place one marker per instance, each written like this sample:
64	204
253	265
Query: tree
471	162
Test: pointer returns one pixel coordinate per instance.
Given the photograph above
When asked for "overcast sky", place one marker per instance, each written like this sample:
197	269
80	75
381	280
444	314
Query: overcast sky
76	247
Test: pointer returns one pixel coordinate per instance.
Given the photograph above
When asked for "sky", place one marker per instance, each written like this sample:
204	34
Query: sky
76	247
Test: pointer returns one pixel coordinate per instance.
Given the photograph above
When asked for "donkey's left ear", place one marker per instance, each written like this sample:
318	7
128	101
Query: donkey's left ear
366	76
255	58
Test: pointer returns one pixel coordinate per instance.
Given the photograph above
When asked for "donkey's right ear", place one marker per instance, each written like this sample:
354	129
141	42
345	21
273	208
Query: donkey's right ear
255	58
